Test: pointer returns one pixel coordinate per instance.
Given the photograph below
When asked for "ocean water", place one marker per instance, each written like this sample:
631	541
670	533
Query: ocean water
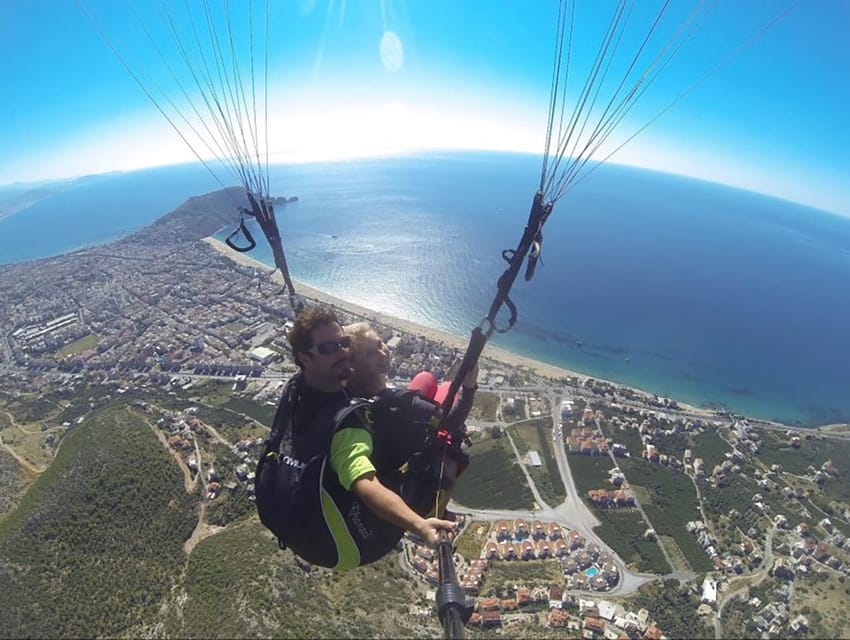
711	295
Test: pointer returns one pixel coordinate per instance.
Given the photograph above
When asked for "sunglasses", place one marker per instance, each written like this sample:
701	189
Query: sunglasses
331	346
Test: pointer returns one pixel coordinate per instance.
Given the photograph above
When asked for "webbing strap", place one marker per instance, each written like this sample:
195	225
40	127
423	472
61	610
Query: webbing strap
230	242
262	210
530	243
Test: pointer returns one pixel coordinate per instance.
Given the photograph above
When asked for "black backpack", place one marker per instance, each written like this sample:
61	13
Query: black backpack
284	474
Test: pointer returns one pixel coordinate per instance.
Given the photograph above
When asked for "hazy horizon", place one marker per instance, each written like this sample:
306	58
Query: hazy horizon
371	79
421	153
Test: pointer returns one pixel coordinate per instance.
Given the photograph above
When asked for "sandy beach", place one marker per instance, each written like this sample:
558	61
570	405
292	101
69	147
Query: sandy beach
500	356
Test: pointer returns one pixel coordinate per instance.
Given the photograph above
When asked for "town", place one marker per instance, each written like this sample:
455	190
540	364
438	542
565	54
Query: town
608	490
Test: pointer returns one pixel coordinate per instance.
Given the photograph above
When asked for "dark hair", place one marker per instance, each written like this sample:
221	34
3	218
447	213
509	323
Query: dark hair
305	322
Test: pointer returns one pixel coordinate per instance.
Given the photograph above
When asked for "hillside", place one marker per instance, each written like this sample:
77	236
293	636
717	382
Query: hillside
12	482
95	548
239	584
197	218
97	540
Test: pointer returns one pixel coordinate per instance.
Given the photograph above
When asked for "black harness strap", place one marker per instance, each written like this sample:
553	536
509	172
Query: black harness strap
243	229
450	598
530	245
262	210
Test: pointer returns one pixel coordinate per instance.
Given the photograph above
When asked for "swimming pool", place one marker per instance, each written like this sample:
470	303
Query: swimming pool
590	572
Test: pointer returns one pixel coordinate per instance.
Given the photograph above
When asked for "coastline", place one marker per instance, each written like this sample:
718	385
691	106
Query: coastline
501	356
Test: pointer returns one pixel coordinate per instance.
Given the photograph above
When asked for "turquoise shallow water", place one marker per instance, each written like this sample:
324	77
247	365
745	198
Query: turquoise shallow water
712	295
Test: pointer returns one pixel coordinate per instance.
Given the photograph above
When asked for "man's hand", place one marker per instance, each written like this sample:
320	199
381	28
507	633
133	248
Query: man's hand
430	529
389	506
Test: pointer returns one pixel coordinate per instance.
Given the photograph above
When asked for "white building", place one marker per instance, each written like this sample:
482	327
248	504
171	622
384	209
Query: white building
263	355
709	591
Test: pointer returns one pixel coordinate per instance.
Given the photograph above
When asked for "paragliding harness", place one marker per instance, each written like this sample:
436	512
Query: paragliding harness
293	486
262	211
410	444
282	473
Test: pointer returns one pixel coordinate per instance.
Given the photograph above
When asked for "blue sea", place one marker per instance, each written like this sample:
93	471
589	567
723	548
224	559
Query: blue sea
707	294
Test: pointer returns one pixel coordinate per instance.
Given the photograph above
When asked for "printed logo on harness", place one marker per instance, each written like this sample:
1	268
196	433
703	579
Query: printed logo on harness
292	462
357	521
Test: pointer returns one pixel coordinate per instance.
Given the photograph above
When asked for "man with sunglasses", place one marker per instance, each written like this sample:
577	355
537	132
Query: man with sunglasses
316	486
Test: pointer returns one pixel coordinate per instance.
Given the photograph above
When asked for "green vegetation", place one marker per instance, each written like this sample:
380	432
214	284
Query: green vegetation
674	503
533	628
238	584
493	478
737	495
710	447
674	553
228	507
262	413
28	443
12	483
485	406
536	435
814	450
674	608
502	576
96	542
30	408
626	436
622	530
821	508
590	472
737	617
471	541
673	444
212	392
230	425
78	346
822	598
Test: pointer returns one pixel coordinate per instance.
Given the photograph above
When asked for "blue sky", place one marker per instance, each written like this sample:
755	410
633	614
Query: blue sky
453	74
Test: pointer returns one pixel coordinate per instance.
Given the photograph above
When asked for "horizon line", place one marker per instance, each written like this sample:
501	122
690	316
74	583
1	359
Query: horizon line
389	154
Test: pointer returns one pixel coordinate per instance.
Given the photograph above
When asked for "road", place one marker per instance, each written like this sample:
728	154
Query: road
534	492
572	512
754	580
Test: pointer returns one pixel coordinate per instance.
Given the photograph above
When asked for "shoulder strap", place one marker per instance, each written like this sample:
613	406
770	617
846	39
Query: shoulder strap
406	404
357	415
282	424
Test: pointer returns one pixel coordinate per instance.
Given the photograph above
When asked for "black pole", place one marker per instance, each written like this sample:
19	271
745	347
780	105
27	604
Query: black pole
451	601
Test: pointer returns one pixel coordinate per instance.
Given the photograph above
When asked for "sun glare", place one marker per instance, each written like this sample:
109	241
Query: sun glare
392	53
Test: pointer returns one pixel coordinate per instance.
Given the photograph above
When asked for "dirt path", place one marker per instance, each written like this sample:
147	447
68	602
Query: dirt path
202	530
189	482
26	464
217	435
14	423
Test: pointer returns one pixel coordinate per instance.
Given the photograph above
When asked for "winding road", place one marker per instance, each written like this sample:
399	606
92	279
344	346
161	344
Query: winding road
572	512
745	582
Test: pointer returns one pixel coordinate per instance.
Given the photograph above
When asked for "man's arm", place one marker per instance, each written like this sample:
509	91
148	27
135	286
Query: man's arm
389	506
